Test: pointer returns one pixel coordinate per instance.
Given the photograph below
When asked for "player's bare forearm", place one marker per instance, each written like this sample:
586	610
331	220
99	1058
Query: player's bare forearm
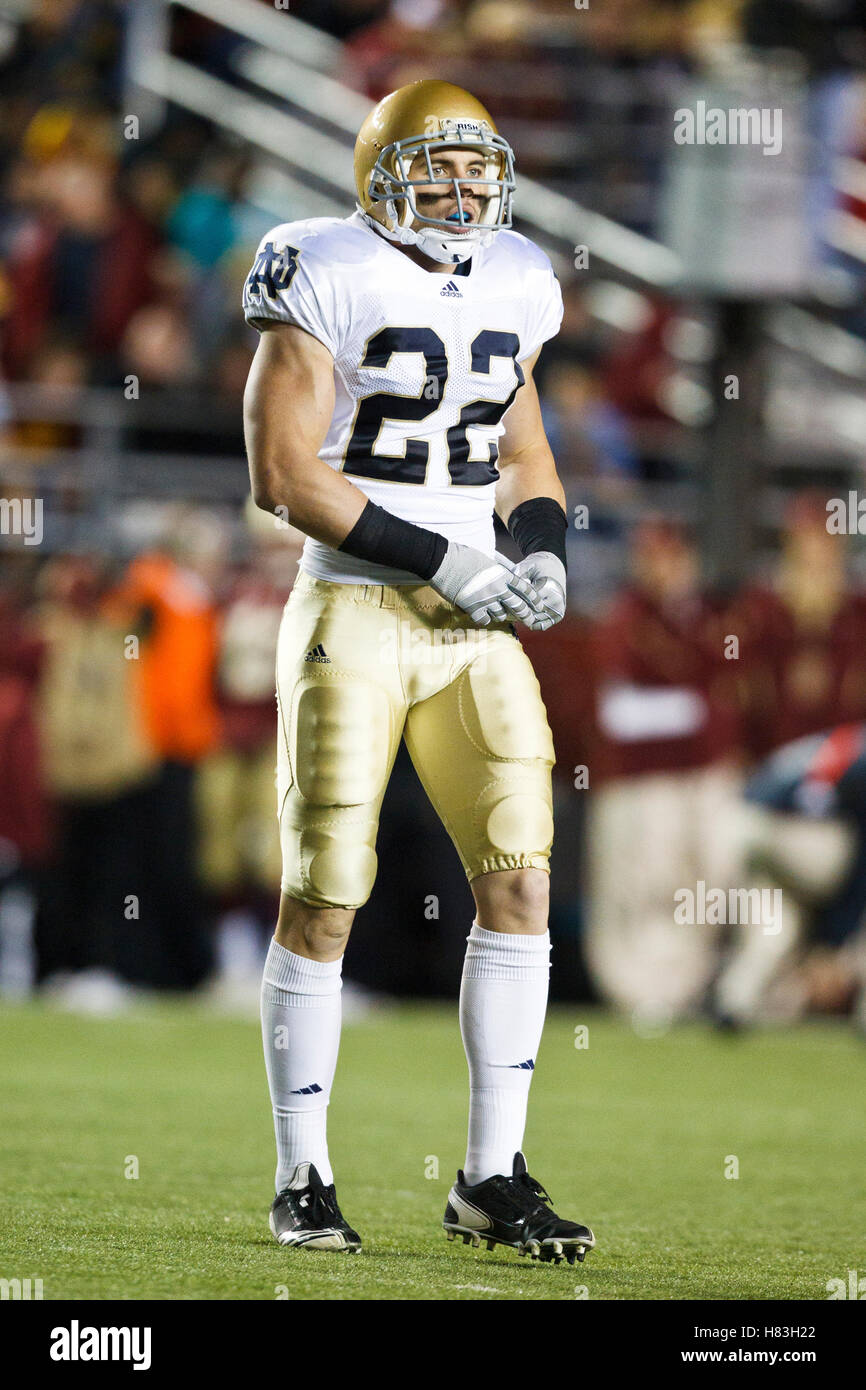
526	464
527	475
288	404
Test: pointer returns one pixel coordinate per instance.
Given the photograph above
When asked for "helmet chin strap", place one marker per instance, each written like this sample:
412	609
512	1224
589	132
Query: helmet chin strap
433	242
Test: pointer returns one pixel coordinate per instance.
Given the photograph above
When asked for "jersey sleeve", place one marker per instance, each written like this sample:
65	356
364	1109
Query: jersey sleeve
545	308
289	283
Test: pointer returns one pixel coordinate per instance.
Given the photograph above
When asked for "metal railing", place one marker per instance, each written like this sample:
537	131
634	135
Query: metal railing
304	150
292	64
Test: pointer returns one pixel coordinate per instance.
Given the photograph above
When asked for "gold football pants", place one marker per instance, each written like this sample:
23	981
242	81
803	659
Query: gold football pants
359	666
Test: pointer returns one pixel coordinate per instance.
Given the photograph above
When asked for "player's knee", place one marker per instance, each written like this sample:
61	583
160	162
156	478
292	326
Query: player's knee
320	932
515	900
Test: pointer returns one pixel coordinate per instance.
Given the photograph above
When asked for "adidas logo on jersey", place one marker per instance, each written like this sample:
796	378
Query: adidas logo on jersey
318	654
450	291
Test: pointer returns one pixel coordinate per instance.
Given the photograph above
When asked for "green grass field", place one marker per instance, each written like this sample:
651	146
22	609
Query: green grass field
630	1135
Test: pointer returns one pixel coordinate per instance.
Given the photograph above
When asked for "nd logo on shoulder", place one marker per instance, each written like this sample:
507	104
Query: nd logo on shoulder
273	270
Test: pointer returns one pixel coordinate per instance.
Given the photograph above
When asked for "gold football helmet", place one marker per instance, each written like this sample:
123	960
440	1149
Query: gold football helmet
423	118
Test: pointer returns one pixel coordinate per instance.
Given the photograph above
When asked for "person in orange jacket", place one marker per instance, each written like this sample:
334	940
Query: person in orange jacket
173	619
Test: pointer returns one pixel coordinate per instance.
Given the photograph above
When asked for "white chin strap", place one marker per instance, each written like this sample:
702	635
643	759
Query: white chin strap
434	242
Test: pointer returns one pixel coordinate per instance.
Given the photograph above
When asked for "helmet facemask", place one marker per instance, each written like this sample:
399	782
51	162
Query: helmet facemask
391	186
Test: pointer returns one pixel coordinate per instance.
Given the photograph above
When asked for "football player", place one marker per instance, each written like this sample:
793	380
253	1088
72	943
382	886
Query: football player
390	407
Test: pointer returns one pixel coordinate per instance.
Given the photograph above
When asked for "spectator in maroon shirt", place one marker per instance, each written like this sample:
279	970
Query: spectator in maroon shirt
80	266
664	814
802	637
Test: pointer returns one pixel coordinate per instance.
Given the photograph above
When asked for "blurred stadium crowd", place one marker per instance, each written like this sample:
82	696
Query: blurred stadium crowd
137	828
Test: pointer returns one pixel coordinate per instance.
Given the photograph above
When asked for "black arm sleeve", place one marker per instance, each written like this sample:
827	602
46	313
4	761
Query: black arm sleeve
539	524
385	539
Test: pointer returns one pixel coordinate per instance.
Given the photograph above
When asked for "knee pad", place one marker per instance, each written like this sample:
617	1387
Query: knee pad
339	864
329	856
516	814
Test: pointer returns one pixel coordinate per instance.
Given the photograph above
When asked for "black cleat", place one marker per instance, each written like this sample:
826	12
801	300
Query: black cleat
306	1213
514	1211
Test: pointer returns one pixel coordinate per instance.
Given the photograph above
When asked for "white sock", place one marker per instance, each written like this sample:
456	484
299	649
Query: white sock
503	999
301	1037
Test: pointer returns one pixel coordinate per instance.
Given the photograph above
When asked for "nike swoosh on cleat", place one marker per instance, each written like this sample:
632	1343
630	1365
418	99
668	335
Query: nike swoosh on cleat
468	1215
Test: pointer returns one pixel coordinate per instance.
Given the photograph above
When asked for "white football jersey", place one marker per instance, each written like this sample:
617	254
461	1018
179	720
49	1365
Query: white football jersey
425	366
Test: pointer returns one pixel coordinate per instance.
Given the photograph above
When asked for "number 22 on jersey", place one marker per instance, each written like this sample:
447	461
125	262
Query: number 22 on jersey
360	457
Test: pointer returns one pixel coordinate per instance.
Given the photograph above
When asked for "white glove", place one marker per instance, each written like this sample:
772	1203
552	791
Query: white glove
489	590
546	574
